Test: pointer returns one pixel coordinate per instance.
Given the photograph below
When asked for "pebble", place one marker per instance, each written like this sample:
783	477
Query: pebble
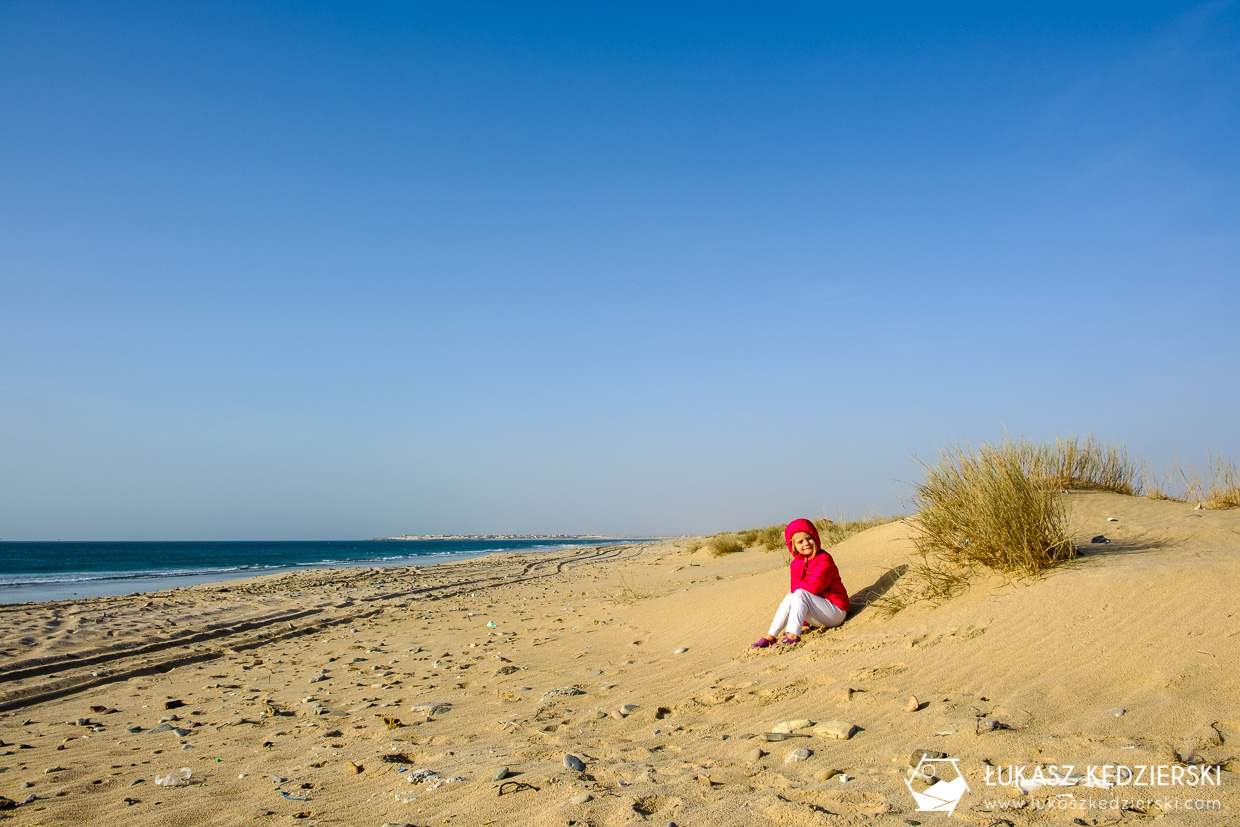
562	691
500	774
51	770
617	714
133	730
754	755
826	775
913	704
25	785
989	725
681	650
798	754
1101	538
628	709
354	768
598	713
925	754
793	725
581	799
162	728
593	673
572	762
841	730
1119	712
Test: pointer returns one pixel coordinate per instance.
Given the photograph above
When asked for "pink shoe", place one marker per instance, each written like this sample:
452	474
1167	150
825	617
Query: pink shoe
761	643
788	640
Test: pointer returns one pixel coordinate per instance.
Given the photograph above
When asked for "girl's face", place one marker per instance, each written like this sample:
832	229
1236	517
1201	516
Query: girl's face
803	545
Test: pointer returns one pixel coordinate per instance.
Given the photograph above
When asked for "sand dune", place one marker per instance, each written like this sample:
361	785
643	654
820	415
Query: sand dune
387	696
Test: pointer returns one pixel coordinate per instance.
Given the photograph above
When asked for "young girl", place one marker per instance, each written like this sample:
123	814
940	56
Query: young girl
817	595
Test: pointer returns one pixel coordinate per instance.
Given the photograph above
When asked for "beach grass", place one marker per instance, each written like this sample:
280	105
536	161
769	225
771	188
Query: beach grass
984	509
837	531
725	543
1073	462
1217	487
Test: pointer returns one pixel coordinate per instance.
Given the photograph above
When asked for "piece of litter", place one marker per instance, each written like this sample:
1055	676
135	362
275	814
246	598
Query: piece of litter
291	798
172	779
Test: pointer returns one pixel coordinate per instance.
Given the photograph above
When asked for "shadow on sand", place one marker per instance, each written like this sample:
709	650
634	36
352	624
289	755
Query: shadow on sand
863	598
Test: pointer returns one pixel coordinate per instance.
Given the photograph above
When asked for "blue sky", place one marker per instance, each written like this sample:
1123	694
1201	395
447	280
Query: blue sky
342	270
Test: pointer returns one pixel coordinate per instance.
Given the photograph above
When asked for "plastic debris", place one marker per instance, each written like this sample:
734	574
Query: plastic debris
174	779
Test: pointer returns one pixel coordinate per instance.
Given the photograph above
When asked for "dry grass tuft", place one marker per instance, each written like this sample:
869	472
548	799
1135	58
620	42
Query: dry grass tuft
767	539
1218	487
833	532
726	543
1070	462
981	509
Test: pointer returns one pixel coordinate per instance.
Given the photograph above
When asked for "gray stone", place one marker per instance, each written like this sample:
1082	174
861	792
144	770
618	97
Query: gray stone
754	755
1118	713
572	762
500	774
628	709
681	650
564	691
798	754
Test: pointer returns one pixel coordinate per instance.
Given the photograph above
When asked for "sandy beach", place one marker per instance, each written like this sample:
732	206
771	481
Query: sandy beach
466	693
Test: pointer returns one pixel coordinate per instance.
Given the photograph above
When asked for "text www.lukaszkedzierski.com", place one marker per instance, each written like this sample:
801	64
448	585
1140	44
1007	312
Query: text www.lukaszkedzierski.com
1067	801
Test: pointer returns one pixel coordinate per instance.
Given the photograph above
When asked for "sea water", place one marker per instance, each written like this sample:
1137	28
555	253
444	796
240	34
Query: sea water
62	570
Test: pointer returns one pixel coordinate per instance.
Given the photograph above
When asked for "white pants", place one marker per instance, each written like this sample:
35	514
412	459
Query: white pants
802	606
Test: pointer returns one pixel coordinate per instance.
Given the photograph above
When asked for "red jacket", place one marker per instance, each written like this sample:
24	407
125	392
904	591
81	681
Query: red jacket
820	576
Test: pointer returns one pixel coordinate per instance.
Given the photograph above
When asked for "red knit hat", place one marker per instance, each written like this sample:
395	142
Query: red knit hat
801	525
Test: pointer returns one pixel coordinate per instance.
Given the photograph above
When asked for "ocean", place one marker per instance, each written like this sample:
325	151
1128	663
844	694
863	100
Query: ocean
63	570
